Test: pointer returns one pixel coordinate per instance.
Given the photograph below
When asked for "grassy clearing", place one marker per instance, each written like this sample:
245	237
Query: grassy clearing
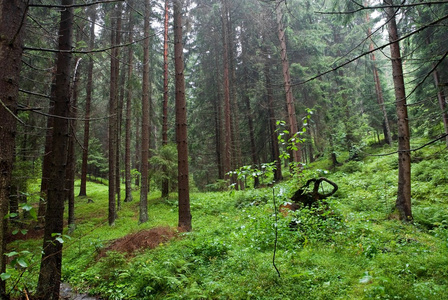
355	251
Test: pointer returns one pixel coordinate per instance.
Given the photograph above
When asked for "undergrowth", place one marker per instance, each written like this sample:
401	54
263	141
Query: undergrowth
349	250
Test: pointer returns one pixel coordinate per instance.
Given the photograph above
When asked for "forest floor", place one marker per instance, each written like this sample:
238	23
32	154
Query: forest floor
353	250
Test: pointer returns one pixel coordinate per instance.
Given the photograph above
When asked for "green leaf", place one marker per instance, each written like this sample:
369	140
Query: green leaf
22	262
5	276
60	240
27	207
9	254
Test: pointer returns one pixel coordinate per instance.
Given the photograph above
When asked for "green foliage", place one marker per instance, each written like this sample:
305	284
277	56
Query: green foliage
164	165
346	249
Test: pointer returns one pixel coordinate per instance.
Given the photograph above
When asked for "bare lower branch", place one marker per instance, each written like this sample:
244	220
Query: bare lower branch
74	5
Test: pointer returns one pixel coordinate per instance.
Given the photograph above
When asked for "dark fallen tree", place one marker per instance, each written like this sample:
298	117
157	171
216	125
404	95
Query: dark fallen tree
307	197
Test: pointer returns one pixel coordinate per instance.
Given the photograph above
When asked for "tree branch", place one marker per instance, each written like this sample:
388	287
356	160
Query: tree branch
412	150
74	5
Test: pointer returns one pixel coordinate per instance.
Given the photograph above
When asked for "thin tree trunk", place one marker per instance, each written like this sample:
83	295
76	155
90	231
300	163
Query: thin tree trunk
120	97
181	123
292	121
11	16
442	102
51	263
272	124
127	159
378	89
165	182
145	121
249	114
113	122
89	89
403	203
71	150
227	108
46	163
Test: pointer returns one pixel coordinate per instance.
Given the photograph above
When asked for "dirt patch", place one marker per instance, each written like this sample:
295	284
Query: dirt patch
141	240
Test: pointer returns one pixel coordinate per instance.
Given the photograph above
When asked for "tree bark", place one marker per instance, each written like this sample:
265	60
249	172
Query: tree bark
51	263
403	203
145	121
12	15
127	155
292	121
181	123
89	89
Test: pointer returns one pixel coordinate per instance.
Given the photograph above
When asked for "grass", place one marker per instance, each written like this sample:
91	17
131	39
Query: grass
354	252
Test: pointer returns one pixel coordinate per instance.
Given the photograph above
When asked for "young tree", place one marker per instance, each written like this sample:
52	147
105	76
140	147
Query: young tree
403	203
51	263
181	122
12	16
145	121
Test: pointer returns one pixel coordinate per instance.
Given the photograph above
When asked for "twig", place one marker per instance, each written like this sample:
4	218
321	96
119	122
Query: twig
9	111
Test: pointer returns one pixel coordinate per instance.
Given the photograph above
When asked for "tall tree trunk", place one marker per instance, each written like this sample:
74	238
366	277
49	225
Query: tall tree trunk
145	121
120	97
218	114
292	121
51	263
181	122
89	89
127	155
12	16
249	114
378	89
272	123
46	161
403	203
227	108
70	171
113	119
165	182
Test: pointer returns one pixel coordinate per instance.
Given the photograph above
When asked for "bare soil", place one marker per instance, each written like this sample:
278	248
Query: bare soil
145	239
